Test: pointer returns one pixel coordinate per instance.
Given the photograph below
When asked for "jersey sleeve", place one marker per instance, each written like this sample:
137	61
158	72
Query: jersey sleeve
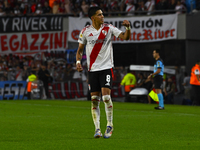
115	31
82	38
159	64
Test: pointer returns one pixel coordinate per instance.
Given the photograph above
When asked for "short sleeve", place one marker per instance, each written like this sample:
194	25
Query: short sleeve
159	64
81	38
115	31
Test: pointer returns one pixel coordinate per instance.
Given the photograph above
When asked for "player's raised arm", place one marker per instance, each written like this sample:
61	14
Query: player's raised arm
79	54
126	35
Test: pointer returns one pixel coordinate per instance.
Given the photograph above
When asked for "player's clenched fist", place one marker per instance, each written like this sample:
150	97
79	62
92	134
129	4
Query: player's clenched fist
126	23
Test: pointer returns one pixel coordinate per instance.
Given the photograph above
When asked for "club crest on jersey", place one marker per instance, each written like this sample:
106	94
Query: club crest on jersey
104	32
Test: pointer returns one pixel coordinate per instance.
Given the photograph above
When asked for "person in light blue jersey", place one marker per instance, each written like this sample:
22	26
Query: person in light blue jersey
158	77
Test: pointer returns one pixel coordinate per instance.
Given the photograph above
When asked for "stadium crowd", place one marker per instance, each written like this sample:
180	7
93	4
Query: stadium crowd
80	7
18	68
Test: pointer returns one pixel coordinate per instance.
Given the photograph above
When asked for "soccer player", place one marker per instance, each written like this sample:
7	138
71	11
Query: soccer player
98	40
158	77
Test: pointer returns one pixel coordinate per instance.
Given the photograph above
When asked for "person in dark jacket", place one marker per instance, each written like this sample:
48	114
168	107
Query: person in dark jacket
44	76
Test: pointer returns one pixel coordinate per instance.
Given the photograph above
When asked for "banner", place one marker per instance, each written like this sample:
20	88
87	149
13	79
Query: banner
32	42
13	90
66	90
31	24
143	29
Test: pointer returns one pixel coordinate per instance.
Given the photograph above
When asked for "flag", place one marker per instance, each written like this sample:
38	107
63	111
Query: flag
154	95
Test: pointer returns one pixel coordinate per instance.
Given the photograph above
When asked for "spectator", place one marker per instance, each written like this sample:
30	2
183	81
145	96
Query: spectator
105	8
59	73
141	80
2	13
68	73
61	9
25	73
55	7
180	8
141	8
149	6
17	10
130	8
18	75
76	9
4	77
187	86
115	8
24	62
68	7
93	4
44	75
1	5
179	79
8	9
112	3
10	63
33	67
42	2
84	7
39	9
33	6
51	2
162	5
122	6
46	8
169	91
31	61
172	6
26	10
2	66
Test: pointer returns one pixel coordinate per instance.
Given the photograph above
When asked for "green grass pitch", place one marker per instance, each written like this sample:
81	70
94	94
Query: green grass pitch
68	125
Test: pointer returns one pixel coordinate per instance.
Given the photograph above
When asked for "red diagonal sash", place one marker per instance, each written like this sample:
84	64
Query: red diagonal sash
130	8
97	47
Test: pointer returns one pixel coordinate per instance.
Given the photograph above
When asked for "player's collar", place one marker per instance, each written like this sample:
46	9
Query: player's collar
99	28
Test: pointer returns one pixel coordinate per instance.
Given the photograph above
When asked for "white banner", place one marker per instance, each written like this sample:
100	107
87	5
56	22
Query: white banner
143	29
33	42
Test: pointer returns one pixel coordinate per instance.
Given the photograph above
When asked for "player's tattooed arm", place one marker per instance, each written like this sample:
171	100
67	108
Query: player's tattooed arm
126	35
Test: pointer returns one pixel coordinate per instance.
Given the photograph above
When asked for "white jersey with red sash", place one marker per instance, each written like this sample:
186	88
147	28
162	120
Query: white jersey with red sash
98	43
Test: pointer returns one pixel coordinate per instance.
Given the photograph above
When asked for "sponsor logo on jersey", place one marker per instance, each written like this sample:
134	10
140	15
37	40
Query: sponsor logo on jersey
90	34
97	41
81	35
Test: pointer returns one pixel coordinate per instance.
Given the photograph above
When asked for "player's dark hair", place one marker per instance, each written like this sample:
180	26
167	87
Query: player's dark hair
157	51
92	11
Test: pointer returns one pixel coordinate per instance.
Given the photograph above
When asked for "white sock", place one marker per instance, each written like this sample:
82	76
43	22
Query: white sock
109	109
95	111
